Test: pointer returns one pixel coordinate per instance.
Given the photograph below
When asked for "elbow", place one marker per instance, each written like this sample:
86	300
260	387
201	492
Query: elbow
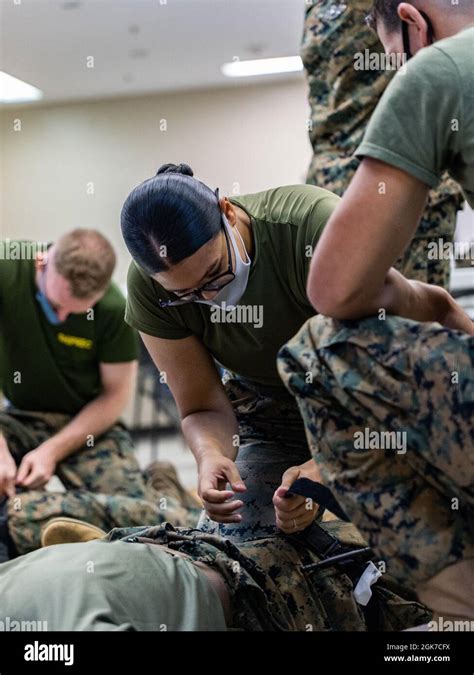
335	302
331	306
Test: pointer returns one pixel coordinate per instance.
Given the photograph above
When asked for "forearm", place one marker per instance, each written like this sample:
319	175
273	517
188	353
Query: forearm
210	431
399	296
92	421
423	302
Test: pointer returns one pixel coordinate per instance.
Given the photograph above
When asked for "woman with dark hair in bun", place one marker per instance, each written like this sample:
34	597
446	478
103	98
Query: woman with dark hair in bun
218	280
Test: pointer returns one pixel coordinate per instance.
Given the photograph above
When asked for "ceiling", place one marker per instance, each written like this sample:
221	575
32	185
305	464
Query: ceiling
141	46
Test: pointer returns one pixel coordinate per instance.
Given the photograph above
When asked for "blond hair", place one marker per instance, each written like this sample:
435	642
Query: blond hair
86	259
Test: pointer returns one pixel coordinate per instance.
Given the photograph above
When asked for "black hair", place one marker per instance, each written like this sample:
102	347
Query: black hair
387	12
172	210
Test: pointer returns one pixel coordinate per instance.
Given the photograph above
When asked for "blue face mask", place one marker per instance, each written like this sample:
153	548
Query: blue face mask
45	305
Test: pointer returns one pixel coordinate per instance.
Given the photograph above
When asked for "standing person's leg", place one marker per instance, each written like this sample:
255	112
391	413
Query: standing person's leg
421	261
415	382
104	486
416	265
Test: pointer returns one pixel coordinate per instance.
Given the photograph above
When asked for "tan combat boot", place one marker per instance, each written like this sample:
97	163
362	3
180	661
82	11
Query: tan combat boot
69	531
163	478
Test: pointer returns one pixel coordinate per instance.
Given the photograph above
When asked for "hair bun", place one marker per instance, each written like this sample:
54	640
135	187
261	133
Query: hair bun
184	169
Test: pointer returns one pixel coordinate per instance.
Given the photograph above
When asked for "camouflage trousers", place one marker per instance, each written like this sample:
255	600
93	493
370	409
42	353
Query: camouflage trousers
415	263
360	387
270	589
104	484
438	222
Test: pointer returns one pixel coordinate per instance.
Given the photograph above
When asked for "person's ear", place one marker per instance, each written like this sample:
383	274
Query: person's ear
40	261
228	210
418	25
407	12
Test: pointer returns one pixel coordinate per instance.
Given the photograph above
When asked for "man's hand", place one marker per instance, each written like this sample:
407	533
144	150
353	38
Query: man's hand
426	302
295	513
36	468
7	470
456	318
215	471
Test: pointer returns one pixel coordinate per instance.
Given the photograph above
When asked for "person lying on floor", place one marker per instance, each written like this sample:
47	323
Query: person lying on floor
165	578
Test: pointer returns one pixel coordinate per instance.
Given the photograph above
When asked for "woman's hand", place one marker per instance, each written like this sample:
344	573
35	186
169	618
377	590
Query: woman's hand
215	471
296	513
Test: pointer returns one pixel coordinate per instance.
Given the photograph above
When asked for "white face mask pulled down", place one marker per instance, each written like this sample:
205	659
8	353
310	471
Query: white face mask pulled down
228	297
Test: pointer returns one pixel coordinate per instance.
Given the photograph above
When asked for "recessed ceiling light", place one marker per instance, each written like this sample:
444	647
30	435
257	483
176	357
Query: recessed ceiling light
284	64
13	90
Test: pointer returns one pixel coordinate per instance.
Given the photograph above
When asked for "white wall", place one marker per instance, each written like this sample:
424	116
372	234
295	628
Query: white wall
250	137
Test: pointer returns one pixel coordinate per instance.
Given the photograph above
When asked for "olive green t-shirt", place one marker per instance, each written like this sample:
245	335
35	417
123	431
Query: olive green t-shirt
46	368
286	223
424	123
133	587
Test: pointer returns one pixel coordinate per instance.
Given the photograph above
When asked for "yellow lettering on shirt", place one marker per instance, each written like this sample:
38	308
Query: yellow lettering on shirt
73	341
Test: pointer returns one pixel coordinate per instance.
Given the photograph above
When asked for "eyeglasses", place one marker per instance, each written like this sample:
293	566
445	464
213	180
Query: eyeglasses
212	285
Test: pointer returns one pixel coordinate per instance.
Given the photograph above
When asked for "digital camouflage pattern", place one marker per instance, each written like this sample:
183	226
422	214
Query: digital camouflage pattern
270	591
415	508
271	440
104	484
342	100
